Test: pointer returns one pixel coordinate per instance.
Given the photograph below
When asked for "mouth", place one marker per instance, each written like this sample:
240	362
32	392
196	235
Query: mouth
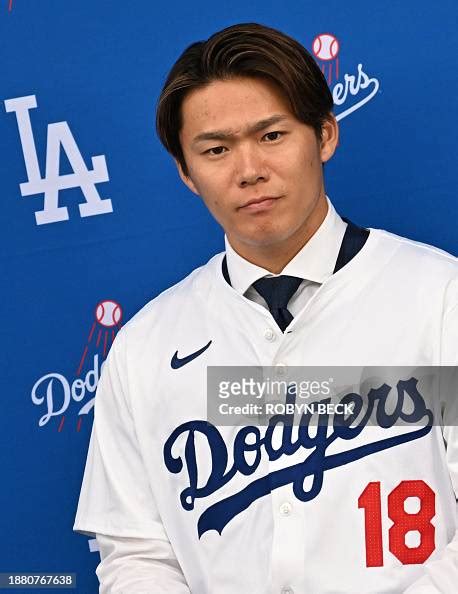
259	204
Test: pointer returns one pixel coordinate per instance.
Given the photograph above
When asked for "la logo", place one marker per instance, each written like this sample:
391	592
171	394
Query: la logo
59	134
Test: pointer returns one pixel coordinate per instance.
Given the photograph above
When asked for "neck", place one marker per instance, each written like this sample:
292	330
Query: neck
274	257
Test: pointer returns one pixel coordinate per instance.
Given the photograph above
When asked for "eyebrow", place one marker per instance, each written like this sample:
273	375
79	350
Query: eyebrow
253	128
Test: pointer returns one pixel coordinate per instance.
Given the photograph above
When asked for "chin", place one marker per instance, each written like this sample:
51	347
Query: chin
265	239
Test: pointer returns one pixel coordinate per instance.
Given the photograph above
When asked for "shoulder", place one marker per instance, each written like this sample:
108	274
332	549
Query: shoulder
188	295
422	269
417	256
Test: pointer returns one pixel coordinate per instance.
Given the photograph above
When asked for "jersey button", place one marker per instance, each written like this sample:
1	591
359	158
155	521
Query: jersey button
281	369
286	509
269	335
287	590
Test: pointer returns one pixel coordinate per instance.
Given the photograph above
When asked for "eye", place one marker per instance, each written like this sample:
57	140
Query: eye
272	136
216	150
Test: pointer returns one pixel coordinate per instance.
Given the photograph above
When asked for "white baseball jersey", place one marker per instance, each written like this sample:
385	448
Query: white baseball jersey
272	514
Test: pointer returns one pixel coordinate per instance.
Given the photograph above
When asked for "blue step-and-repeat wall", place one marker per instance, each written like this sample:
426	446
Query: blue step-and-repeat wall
95	221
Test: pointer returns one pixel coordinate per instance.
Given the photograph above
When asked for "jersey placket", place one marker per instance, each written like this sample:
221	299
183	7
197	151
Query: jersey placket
288	539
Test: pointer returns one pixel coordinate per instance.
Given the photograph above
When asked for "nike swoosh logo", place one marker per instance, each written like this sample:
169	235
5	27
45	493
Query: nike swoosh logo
176	362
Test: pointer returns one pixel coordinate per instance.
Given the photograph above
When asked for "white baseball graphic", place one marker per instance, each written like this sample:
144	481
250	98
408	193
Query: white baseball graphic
325	46
108	313
108	316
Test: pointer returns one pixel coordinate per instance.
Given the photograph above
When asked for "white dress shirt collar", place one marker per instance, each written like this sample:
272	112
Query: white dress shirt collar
314	262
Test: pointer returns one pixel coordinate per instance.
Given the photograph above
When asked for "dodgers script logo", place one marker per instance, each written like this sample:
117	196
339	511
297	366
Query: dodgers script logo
356	90
59	134
55	392
313	443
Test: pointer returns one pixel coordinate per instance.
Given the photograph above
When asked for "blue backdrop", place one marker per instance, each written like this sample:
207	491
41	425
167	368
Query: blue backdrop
94	71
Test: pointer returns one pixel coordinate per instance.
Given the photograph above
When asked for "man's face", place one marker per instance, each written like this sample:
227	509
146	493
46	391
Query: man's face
257	168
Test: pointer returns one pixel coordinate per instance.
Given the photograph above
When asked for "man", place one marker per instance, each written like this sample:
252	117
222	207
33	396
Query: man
182	505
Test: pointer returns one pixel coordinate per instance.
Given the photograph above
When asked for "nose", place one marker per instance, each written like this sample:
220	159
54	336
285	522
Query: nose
251	167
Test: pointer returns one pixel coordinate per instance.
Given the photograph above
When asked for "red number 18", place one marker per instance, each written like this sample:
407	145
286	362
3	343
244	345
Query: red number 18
403	522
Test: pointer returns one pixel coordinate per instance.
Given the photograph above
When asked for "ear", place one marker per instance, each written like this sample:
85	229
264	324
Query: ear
185	178
329	138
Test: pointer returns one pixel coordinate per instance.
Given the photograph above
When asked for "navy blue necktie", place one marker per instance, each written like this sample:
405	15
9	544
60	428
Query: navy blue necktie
277	291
